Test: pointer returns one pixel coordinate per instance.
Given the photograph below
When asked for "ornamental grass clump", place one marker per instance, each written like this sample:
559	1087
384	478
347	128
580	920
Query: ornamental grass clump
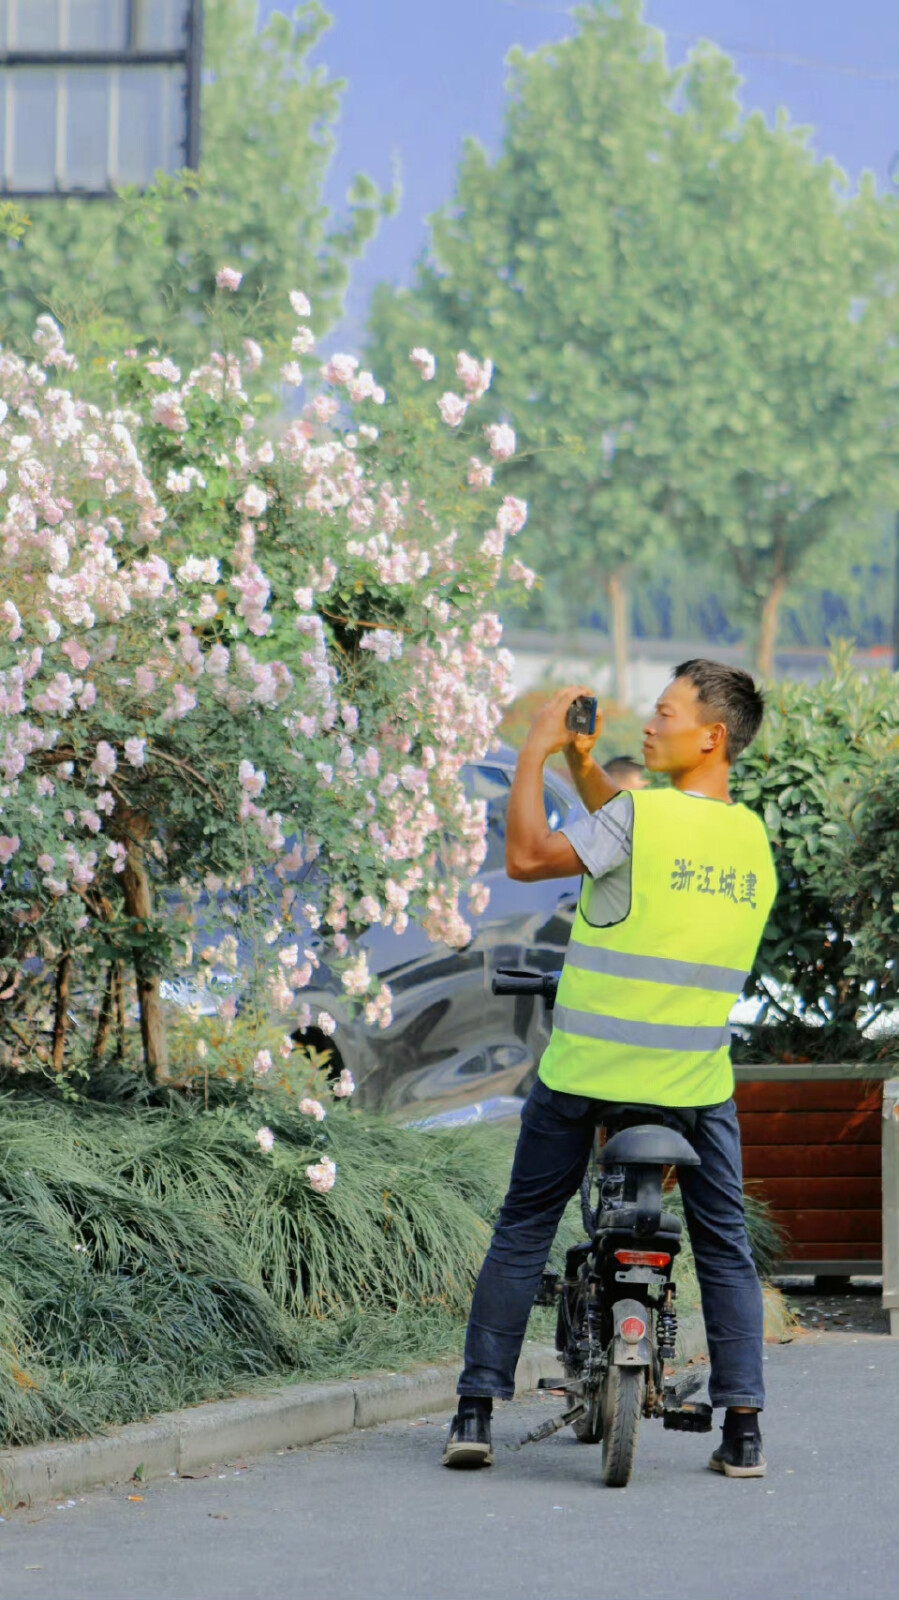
154	1257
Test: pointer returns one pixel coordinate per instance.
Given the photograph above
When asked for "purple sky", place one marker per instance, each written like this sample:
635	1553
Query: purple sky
422	74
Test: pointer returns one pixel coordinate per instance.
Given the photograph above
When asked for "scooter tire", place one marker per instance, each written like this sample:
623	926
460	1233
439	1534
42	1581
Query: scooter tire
588	1429
625	1389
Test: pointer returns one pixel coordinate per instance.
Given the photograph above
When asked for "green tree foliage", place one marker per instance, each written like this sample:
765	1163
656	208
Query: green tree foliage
796	280
690	318
142	267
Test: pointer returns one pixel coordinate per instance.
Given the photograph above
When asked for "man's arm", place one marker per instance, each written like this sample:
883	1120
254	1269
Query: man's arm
533	851
591	781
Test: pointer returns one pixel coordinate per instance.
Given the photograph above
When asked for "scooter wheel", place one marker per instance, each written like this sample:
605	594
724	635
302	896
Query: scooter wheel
588	1428
624	1393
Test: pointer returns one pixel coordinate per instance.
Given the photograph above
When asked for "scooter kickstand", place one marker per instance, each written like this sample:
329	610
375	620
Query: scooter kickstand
551	1426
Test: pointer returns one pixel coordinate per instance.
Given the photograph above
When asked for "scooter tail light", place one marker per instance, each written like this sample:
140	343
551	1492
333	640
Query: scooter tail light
643	1258
633	1329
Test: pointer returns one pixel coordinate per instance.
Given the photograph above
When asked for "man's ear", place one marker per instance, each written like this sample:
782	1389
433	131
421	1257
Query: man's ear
714	736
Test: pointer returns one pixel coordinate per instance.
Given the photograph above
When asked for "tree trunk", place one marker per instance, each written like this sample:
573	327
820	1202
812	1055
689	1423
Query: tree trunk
768	629
61	1012
618	597
104	1021
139	906
118	991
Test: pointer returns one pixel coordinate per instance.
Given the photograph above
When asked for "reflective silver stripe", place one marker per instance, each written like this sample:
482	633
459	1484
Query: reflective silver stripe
655	969
645	1035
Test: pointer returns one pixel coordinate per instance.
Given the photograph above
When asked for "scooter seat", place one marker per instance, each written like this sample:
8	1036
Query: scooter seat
649	1144
625	1218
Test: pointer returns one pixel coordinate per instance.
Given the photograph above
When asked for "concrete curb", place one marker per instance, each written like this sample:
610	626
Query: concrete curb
185	1441
298	1414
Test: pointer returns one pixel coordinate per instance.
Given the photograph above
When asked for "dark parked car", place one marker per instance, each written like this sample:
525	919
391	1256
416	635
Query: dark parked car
453	1049
452	1044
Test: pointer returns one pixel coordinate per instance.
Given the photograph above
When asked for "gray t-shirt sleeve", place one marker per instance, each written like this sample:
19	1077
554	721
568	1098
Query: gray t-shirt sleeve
604	840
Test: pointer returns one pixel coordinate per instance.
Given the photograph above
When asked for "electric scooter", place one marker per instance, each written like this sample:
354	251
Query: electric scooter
616	1329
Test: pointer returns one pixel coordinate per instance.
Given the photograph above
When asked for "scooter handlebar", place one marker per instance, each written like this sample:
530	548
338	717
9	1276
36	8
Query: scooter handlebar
510	980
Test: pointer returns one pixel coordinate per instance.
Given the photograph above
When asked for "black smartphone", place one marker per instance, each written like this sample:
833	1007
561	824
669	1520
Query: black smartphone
581	714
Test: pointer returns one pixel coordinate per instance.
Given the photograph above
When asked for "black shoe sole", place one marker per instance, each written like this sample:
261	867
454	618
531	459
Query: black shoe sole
738	1472
467	1455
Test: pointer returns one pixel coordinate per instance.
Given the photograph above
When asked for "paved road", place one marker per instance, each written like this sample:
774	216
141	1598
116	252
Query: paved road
373	1515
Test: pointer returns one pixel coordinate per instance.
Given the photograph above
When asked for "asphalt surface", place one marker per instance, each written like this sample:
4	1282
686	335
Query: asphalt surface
856	1310
374	1515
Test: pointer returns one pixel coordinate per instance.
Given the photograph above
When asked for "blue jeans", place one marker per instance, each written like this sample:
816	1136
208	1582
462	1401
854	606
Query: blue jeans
551	1158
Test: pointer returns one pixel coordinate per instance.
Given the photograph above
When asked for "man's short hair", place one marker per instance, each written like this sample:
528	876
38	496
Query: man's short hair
728	695
622	765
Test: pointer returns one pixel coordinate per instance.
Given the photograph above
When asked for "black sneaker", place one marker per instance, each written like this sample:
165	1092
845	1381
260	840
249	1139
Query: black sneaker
740	1456
469	1443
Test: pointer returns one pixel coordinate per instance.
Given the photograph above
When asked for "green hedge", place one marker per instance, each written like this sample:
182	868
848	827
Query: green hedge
824	774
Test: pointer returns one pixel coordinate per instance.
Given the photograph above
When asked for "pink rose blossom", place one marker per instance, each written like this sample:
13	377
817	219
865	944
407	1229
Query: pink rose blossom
9	844
79	657
512	515
251	781
105	762
262	1063
452	408
340	369
265	1139
475	375
136	752
118	854
501	439
313	1108
424	361
322	1175
168	411
253	501
345	1085
480	474
326	1023
229	278
300	304
325	407
183	702
519	573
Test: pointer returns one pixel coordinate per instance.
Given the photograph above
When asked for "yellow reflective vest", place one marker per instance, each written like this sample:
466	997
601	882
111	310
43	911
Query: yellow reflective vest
643	1005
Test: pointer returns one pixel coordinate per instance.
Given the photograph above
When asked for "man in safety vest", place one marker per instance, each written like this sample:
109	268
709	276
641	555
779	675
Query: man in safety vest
677	886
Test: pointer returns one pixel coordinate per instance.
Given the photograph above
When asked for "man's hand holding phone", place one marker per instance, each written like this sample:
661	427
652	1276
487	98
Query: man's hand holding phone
570	721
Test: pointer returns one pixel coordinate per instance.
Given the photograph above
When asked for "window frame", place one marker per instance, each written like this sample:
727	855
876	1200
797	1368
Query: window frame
183	62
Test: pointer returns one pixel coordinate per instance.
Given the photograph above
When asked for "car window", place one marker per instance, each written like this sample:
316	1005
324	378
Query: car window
489	783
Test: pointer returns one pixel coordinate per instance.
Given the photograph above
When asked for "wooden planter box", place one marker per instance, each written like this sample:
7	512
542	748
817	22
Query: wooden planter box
812	1148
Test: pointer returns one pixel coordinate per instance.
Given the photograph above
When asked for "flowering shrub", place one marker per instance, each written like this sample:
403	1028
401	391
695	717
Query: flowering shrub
226	654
